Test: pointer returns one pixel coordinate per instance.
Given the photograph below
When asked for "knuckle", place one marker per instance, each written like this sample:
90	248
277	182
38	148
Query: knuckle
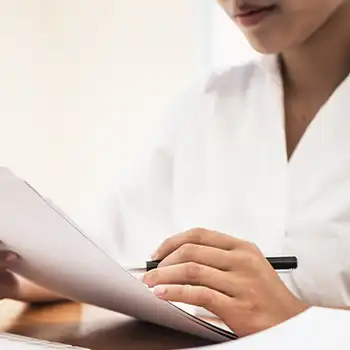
231	258
198	230
253	261
251	254
248	306
239	257
251	247
206	299
254	248
195	235
192	272
246	259
186	251
252	298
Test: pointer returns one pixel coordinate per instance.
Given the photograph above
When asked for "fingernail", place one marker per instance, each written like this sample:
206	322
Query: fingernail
159	291
146	279
11	257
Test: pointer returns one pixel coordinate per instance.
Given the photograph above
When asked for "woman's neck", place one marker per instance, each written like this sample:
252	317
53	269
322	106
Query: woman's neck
317	67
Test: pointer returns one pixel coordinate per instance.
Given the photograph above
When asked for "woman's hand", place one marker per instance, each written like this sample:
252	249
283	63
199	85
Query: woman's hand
8	283
19	288
227	276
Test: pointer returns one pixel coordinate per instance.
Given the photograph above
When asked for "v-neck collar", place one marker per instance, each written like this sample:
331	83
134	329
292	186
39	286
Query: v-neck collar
329	113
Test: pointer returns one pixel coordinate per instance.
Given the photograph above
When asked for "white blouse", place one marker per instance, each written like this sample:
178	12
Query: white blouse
220	163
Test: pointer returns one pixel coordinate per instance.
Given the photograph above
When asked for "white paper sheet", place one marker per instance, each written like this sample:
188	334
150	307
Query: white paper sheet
57	255
15	342
317	328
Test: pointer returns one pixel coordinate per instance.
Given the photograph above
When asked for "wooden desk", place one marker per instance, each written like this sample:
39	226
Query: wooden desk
89	327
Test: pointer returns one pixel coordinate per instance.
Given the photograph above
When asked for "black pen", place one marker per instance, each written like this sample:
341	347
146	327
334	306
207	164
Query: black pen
278	263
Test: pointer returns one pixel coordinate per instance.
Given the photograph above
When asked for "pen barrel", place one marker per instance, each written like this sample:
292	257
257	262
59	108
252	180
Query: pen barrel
278	263
283	263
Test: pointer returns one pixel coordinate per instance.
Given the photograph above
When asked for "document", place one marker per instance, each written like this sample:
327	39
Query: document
317	328
15	342
57	255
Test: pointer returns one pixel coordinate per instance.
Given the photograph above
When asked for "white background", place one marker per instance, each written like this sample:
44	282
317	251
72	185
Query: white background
84	82
226	44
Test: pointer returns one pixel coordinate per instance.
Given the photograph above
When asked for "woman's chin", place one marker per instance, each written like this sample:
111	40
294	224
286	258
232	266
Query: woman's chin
267	46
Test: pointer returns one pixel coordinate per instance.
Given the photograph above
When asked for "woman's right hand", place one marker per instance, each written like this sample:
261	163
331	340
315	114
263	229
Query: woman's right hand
8	282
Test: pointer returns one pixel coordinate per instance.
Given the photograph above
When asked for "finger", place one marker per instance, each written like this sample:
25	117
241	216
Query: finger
193	274
8	285
214	257
214	301
200	237
7	258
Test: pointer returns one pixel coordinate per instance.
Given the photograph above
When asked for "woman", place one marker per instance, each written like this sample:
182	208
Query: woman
260	152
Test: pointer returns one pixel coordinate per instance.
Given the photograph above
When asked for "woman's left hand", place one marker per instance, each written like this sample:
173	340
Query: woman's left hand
227	276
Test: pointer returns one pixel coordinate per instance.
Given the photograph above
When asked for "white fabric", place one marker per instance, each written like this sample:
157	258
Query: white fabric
317	328
221	163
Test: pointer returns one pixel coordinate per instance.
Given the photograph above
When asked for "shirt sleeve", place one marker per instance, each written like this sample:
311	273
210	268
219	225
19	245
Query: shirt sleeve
136	216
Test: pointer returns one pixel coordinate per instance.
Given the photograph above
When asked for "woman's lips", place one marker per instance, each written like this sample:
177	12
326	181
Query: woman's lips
253	17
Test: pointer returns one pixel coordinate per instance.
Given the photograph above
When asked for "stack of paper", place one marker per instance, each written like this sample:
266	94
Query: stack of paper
57	255
16	342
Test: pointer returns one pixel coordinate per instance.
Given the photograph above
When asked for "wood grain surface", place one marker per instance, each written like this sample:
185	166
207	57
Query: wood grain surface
87	326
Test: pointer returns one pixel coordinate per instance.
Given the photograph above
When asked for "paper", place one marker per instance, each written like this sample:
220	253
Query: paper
317	328
14	342
58	256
